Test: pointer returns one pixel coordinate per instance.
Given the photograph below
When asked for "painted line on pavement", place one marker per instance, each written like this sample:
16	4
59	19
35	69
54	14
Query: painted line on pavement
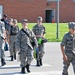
44	65
43	73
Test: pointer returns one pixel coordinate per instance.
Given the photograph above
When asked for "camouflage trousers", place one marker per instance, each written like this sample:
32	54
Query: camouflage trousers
40	52
71	59
2	55
26	57
12	45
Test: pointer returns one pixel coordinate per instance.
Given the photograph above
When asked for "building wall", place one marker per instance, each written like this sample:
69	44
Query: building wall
31	9
67	10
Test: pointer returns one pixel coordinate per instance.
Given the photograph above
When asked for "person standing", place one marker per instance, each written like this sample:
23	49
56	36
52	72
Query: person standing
39	31
13	33
68	48
23	45
2	38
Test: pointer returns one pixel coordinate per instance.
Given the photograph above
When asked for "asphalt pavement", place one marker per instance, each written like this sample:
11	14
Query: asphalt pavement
52	63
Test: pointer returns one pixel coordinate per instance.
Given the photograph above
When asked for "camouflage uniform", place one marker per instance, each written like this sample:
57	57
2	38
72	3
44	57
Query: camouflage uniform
23	45
2	31
13	35
8	25
69	43
39	30
8	31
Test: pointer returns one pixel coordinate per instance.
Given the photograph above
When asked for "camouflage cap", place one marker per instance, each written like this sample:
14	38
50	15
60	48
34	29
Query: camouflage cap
71	24
39	18
24	20
15	20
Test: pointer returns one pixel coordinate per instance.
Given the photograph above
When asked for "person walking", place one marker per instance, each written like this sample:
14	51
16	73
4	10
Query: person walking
68	48
8	31
2	38
39	31
13	34
24	46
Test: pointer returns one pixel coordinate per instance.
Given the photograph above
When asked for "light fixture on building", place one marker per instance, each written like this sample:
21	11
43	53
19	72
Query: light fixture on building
48	3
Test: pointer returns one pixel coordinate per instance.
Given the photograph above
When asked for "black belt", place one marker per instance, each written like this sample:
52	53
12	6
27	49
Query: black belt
13	34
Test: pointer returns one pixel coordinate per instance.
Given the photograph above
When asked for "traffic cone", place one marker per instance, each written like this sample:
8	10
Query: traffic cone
53	21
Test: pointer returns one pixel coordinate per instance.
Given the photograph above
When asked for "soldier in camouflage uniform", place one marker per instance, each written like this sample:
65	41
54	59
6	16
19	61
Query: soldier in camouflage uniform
24	46
2	38
13	33
8	30
68	48
39	31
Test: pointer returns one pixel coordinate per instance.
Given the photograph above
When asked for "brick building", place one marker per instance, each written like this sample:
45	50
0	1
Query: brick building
31	9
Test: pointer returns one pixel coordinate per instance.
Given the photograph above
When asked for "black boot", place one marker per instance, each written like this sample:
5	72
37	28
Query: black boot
28	68
15	56
40	62
64	74
11	58
23	70
3	62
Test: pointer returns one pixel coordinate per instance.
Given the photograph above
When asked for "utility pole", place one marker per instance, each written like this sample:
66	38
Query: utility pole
57	33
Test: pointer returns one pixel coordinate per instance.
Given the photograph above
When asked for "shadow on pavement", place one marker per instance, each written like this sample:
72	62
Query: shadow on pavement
15	73
9	67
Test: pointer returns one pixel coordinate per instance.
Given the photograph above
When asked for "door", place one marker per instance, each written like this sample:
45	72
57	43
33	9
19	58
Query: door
49	16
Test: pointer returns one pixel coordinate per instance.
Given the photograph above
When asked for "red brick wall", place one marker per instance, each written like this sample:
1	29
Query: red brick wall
31	9
67	10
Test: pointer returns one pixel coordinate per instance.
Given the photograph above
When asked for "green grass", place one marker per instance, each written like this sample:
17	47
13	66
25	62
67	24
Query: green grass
51	29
